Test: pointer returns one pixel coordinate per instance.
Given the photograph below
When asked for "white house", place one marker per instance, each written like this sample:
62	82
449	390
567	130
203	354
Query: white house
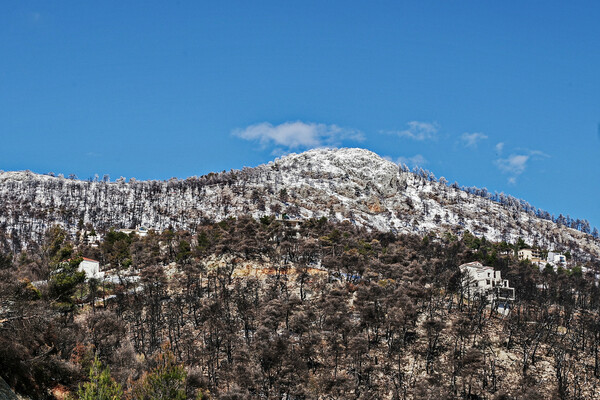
140	230
484	281
91	268
556	258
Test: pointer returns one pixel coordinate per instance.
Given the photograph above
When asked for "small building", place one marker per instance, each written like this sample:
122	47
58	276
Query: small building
292	222
479	280
91	238
529	254
556	258
91	268
140	230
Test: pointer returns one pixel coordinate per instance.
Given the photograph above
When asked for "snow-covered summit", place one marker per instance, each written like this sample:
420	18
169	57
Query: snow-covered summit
355	164
22	176
340	161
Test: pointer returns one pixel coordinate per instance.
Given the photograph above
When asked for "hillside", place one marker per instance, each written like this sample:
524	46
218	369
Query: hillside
340	184
264	309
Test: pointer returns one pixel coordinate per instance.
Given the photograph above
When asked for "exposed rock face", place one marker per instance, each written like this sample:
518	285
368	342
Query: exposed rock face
345	184
375	207
6	392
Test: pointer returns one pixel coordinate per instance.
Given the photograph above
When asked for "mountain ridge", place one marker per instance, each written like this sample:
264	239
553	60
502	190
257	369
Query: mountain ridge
350	184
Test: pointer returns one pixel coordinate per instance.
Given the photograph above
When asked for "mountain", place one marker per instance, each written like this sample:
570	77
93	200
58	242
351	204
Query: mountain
355	185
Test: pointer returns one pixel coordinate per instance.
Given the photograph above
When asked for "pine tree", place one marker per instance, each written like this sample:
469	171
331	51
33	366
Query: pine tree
165	381
101	385
64	280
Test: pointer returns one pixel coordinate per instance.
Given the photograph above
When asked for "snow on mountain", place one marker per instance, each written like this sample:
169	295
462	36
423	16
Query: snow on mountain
355	185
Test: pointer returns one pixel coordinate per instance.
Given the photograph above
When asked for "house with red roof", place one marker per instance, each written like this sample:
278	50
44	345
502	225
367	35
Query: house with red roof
91	268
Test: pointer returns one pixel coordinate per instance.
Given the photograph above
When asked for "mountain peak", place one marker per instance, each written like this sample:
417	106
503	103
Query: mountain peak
25	175
350	155
354	164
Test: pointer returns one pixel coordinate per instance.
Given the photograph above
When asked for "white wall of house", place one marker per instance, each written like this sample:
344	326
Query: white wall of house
140	230
556	258
91	268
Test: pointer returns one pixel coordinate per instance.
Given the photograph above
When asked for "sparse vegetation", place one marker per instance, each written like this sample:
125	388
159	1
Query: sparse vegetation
265	308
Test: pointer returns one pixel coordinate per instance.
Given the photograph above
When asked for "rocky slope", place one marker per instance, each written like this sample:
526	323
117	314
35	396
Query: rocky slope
344	184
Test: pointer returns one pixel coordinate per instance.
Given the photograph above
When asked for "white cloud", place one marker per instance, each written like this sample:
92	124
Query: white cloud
417	159
298	134
499	147
514	164
538	153
418	130
471	139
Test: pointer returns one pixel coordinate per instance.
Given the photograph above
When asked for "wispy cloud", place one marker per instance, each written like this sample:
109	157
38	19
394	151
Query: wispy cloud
538	153
471	139
415	160
418	130
516	164
499	148
297	134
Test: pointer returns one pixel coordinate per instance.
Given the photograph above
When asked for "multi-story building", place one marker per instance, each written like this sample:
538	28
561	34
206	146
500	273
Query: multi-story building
530	254
479	280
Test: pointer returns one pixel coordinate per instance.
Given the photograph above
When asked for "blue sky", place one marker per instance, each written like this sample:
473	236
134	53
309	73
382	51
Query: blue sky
503	95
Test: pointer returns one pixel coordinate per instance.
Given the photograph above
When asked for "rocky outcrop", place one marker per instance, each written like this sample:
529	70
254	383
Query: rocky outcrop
6	393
